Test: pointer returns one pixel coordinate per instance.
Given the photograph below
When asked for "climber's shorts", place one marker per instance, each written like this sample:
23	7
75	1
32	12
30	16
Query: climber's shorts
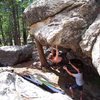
75	86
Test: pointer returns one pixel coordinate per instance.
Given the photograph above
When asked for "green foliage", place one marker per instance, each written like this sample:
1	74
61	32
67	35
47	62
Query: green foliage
6	17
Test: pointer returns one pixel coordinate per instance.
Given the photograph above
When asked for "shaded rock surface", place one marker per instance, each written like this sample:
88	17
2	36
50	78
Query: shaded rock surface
11	55
67	23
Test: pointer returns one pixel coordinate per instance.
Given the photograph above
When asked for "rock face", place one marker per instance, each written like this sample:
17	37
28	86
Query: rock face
42	9
96	54
89	38
11	55
90	42
14	87
66	23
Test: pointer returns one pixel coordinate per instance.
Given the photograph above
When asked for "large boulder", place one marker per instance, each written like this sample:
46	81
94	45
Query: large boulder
11	55
14	87
90	36
90	42
42	9
66	27
96	54
72	26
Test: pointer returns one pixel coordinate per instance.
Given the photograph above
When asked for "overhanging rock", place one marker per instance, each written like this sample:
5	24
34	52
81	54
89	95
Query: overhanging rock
42	9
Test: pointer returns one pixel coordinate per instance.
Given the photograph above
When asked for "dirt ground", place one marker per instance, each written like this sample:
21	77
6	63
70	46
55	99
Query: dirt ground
31	68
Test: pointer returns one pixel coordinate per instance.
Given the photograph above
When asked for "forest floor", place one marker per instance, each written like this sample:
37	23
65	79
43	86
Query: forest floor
59	78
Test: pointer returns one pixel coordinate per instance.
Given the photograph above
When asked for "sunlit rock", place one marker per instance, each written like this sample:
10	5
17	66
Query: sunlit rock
14	87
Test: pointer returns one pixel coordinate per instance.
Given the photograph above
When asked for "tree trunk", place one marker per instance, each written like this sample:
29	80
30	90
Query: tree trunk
18	27
41	54
24	27
10	36
24	31
15	30
3	36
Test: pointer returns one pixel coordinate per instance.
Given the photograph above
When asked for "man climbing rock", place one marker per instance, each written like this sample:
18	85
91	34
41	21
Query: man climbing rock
78	80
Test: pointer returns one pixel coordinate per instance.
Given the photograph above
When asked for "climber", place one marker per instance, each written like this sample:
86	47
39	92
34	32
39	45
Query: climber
78	80
55	59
